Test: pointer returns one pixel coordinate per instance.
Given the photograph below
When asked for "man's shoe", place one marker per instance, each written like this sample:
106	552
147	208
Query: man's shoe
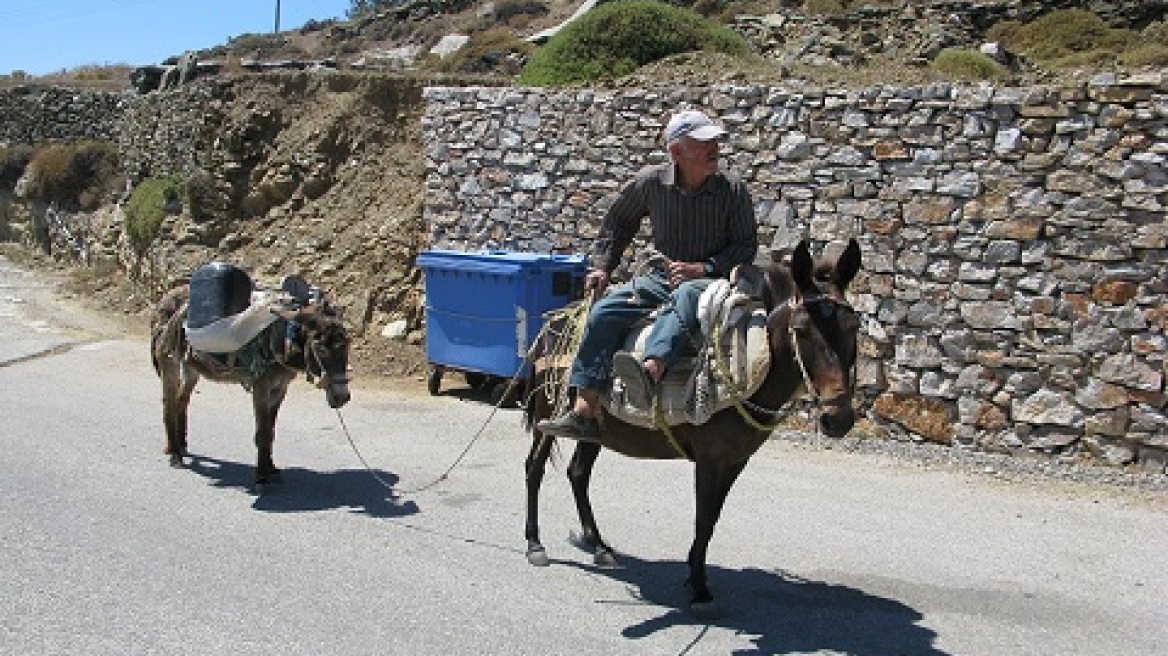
572	425
638	387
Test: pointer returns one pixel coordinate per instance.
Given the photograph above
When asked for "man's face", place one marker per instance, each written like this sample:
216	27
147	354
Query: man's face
698	159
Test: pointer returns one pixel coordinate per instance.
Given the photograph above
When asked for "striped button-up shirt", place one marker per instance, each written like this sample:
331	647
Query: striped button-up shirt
715	224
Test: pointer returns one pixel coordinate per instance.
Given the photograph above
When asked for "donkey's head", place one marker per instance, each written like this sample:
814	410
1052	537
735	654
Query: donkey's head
822	330
326	349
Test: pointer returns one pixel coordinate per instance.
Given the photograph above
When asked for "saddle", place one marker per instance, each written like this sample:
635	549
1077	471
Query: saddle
224	311
729	366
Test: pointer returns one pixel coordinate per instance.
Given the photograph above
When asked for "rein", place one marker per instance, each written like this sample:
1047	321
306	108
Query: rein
741	403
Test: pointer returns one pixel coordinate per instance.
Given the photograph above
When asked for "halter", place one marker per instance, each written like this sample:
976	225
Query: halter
741	404
341	378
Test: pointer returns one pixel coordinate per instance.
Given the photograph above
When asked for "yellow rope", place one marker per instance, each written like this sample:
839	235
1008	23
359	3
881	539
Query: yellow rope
736	394
563	347
659	419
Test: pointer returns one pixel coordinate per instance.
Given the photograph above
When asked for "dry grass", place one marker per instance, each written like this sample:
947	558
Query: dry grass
110	77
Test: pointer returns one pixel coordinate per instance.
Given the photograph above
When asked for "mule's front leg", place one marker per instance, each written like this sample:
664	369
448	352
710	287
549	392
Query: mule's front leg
541	448
580	475
267	395
712	484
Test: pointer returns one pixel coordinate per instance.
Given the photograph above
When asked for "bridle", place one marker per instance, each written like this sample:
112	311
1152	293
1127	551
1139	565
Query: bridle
827	311
777	414
312	356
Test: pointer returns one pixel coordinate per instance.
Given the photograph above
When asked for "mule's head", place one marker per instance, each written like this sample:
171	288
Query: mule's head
822	329
326	350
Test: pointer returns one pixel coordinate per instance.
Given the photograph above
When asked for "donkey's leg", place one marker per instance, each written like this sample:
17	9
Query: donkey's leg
580	475
178	383
712	483
266	396
541	448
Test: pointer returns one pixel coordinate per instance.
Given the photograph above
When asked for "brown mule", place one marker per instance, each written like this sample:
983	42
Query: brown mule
812	333
325	356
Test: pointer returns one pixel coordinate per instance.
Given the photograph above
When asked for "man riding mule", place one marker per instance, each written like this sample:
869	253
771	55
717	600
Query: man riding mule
703	226
809	333
218	327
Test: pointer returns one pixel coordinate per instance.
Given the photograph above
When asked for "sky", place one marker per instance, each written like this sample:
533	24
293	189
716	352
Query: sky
47	36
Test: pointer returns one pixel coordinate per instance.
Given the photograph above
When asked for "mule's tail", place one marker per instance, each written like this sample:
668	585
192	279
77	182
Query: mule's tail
166	325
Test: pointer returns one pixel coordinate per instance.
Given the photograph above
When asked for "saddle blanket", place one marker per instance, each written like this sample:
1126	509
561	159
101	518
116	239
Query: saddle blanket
729	367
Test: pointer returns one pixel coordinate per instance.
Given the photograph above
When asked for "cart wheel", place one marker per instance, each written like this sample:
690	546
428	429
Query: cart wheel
434	381
475	379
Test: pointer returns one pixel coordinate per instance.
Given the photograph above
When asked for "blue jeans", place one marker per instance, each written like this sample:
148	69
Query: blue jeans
614	315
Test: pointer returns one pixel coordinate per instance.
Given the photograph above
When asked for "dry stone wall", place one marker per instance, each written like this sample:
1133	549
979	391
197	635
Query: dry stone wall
35	114
1015	239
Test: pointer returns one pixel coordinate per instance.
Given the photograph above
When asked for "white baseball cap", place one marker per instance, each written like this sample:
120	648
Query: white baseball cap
693	124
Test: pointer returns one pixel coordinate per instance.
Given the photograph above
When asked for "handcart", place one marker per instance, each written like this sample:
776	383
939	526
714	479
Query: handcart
484	309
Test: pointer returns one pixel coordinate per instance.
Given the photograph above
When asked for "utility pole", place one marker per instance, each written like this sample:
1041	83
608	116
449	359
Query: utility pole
277	31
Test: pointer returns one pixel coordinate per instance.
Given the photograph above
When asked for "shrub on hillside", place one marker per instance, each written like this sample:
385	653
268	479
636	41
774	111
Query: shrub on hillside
203	197
968	65
1147	54
617	38
1066	37
74	176
484	52
507	10
149	203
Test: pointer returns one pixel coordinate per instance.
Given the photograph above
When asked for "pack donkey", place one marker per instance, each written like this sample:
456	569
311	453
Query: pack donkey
298	332
810	330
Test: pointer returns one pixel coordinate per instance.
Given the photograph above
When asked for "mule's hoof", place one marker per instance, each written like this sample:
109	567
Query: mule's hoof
605	558
538	556
176	461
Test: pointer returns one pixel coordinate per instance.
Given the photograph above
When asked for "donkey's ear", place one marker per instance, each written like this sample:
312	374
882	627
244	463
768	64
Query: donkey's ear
847	265
802	267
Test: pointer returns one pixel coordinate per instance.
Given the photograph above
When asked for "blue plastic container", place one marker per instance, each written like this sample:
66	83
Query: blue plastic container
484	309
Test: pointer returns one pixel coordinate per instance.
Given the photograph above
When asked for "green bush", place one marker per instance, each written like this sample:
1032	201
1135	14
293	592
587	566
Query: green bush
202	197
148	205
968	65
74	176
616	38
1064	38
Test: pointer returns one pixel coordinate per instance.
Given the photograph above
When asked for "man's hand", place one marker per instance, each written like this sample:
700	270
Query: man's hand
595	283
680	272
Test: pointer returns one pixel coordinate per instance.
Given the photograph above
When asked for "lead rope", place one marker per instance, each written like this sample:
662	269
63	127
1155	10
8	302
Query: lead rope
737	397
399	492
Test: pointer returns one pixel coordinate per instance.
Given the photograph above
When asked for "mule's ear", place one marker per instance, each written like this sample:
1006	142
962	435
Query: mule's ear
802	267
847	265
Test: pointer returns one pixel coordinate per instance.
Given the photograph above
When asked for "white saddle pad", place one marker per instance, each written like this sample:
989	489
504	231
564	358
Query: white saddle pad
731	366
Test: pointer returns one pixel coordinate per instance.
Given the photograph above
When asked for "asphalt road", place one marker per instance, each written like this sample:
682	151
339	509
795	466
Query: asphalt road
107	550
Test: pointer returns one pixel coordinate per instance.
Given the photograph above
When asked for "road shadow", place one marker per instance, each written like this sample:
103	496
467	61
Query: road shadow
782	613
304	490
495	392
